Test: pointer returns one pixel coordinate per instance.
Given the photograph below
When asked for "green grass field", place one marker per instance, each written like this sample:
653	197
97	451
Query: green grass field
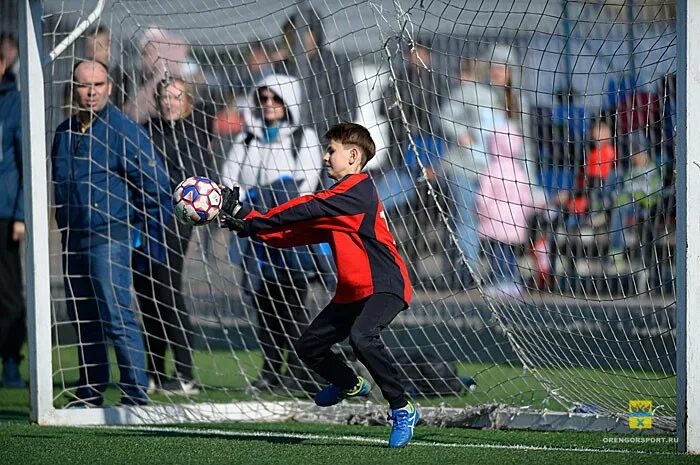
295	443
224	376
308	444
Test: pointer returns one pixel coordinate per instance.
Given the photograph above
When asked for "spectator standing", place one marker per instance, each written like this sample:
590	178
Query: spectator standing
601	156
10	50
420	91
329	94
163	54
504	102
466	160
509	102
257	66
98	47
583	191
12	308
512	104
98	44
599	168
505	204
463	112
274	160
181	135
637	201
105	172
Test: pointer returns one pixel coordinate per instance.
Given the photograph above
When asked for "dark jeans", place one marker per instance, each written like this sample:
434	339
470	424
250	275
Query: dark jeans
363	322
98	289
281	318
13	332
166	322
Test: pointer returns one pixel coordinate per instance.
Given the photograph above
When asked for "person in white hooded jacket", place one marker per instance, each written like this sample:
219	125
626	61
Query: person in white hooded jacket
273	160
270	148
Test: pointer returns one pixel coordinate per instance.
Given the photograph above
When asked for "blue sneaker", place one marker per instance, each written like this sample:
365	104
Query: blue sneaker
11	377
404	420
332	394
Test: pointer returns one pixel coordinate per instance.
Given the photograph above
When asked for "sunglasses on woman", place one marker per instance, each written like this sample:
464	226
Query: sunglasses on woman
264	98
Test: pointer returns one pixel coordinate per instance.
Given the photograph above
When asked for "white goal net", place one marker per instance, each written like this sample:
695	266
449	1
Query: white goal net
525	161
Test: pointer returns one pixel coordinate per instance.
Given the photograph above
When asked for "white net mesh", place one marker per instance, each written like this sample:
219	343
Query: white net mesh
525	161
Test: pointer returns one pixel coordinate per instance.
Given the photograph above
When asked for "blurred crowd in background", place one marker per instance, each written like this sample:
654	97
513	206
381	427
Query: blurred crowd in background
484	182
594	185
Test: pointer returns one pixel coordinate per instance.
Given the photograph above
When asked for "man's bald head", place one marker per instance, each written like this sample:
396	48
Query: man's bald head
92	85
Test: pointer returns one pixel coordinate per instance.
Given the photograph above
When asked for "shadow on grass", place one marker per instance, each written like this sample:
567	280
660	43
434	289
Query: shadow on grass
269	437
17	415
186	433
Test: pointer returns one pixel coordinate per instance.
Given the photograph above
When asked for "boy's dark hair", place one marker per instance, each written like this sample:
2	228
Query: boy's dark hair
355	134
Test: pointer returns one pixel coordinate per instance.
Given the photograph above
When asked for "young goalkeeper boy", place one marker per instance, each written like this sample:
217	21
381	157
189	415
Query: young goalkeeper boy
373	284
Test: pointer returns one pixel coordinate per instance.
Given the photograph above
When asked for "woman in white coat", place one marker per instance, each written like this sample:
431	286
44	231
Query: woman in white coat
274	160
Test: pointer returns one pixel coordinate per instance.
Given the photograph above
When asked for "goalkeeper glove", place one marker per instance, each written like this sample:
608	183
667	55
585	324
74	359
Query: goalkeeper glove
230	205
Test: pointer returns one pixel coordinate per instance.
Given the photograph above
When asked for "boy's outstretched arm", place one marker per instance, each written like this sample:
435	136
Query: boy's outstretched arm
279	238
340	208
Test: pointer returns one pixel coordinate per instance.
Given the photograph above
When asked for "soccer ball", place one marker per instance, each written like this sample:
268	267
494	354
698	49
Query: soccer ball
197	201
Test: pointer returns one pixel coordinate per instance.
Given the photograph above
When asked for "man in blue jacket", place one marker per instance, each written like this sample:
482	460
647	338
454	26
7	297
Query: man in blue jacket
107	177
12	309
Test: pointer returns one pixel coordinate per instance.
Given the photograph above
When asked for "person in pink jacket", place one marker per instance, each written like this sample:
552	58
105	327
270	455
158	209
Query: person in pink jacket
504	206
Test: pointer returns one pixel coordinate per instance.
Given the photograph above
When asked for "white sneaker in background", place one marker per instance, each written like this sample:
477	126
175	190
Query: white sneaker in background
187	387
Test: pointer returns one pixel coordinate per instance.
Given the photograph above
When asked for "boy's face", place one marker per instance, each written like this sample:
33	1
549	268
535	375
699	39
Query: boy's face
341	160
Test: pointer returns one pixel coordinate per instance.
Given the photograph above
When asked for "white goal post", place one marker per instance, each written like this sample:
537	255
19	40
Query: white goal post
688	429
35	180
565	337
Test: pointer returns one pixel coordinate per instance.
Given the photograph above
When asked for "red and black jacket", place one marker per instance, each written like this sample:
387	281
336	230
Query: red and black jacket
350	217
